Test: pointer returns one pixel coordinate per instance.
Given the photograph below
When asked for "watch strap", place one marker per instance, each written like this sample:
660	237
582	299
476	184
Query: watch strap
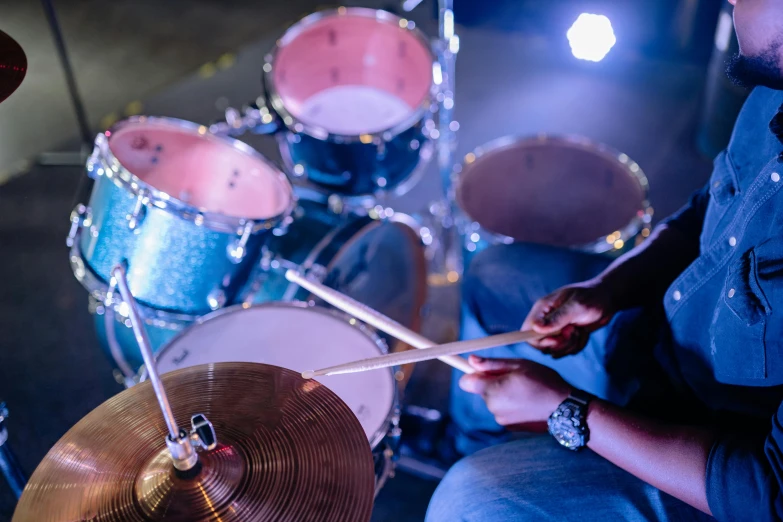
580	397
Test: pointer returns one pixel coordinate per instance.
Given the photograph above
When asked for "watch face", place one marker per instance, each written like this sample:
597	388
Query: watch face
565	433
566	428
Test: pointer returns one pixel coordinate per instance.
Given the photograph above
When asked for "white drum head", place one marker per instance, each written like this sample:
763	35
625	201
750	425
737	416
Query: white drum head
294	337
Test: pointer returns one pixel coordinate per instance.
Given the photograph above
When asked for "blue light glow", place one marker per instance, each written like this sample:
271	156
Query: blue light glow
591	37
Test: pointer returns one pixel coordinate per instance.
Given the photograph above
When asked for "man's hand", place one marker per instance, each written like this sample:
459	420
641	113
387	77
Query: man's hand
517	391
570	315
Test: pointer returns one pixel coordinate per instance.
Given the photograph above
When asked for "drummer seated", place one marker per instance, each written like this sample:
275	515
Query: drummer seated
663	369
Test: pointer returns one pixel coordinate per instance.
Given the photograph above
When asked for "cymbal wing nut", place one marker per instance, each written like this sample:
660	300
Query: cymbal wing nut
203	432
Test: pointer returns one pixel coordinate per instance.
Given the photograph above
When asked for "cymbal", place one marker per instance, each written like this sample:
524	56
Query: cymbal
288	450
13	65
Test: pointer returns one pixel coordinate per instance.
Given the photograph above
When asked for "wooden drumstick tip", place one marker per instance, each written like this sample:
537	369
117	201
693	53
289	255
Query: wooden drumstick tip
309	374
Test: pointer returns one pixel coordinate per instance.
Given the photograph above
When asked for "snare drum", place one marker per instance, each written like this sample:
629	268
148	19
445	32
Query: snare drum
555	190
353	89
300	338
187	209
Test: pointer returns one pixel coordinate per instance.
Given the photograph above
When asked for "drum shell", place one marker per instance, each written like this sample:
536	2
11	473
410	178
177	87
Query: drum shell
173	263
159	333
353	165
315	241
353	168
476	237
310	242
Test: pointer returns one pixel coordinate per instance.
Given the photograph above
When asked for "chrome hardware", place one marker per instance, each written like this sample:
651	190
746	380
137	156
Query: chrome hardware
236	249
216	299
251	118
318	272
336	204
179	441
282	228
234	118
78	217
183	454
94	168
203	432
139	211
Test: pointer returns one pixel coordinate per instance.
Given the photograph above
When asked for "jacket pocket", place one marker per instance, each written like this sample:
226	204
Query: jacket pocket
739	323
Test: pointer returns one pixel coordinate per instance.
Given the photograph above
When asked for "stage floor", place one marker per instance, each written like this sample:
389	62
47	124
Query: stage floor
51	370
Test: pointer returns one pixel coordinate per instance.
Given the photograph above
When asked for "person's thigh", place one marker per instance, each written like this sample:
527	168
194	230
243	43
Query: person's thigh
502	282
536	479
500	287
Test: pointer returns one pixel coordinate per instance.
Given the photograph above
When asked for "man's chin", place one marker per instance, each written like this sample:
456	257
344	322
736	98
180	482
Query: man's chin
750	71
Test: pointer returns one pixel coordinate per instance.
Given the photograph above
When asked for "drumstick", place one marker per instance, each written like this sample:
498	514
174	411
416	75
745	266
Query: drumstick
394	359
373	318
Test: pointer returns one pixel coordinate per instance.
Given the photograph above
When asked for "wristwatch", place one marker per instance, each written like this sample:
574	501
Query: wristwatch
568	423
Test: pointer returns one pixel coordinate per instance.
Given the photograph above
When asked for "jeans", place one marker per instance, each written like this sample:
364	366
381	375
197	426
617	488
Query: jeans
533	478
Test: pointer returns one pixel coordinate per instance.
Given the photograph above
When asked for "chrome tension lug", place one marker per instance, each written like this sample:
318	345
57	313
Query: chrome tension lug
77	220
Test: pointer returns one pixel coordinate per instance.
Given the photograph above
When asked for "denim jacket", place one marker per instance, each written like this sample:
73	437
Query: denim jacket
725	311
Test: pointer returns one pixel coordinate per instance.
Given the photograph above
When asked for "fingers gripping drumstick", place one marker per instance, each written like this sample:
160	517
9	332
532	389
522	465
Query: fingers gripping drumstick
373	318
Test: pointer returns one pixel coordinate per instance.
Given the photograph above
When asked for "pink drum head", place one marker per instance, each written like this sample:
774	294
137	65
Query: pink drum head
293	337
352	72
200	170
551	191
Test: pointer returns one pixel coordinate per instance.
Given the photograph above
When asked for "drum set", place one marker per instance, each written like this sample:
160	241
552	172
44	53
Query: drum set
207	226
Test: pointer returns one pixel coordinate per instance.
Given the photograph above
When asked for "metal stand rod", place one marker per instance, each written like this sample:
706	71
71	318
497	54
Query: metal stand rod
449	46
8	464
178	441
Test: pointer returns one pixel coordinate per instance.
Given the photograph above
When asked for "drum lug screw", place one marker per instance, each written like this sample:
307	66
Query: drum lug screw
216	299
318	272
139	211
237	249
78	217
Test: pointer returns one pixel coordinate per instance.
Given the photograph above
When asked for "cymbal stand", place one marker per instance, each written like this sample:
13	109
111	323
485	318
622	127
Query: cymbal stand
8	464
445	251
181	443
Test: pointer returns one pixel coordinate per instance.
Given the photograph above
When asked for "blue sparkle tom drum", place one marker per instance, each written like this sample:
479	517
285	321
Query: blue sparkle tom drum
353	90
188	210
377	260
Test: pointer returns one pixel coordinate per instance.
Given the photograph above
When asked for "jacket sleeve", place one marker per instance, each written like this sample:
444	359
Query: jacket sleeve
744	476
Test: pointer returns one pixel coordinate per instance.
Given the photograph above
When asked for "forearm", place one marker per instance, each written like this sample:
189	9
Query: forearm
642	275
671	458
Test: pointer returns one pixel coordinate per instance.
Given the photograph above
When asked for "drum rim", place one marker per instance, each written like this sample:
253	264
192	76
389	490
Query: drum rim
126	180
98	290
600	245
294	124
382	432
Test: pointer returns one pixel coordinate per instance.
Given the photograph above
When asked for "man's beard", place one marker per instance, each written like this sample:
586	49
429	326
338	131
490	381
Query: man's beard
764	69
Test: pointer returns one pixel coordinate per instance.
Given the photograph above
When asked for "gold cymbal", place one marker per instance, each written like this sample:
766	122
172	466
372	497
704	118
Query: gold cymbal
288	450
13	65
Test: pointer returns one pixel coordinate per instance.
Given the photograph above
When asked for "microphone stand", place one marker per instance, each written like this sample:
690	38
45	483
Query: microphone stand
67	159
